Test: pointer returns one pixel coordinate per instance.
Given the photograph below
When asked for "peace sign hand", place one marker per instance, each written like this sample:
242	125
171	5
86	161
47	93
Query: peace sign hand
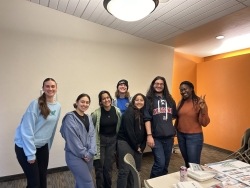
202	102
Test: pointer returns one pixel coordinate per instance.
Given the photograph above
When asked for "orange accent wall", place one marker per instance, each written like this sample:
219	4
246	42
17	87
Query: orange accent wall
184	68
226	83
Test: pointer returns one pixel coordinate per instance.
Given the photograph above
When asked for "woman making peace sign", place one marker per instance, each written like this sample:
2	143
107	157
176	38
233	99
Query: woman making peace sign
192	115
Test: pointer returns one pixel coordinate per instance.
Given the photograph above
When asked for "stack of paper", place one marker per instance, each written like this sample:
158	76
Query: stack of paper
200	173
188	184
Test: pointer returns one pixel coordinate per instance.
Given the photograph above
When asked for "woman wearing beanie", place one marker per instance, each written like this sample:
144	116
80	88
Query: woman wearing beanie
192	116
79	133
107	120
122	95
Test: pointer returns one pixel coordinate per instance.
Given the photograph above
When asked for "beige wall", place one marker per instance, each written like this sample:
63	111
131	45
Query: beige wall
38	42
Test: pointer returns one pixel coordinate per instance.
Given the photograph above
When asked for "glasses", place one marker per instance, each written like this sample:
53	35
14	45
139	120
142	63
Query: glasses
159	84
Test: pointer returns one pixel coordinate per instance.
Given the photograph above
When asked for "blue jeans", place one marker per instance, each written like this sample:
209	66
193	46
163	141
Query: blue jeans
162	152
190	146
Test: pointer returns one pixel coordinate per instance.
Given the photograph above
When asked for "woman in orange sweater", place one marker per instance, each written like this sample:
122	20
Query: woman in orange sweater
192	115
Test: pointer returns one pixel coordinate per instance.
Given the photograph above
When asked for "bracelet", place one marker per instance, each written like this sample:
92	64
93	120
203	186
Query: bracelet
149	134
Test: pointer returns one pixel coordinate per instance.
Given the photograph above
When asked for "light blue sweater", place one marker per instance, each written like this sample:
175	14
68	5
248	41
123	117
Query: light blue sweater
78	141
34	131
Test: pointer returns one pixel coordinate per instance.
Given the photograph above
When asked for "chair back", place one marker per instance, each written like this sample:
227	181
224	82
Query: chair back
245	139
146	184
129	159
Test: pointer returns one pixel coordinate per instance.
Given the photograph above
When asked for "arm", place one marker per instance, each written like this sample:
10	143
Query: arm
71	135
143	144
204	119
174	110
27	132
92	135
128	121
176	120
94	117
150	139
147	119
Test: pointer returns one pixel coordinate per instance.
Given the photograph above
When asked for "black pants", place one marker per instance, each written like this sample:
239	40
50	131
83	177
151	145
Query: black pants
104	165
35	173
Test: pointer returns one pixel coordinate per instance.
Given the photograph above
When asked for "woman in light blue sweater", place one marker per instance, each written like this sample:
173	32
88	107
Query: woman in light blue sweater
35	134
79	133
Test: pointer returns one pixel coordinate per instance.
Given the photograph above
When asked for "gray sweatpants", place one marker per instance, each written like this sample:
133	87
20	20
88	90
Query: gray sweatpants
81	170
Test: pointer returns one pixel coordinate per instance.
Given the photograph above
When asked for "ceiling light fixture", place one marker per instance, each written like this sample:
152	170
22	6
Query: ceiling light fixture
220	37
130	10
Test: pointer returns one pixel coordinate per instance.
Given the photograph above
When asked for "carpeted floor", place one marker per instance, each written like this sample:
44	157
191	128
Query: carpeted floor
65	179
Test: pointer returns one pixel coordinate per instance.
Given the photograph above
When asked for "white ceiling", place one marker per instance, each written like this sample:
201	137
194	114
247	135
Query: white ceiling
188	25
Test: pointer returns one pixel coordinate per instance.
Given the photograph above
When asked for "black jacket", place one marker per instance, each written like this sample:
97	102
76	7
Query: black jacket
131	131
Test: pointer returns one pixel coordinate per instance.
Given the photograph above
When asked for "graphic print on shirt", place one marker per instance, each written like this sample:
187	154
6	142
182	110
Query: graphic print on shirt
53	113
161	109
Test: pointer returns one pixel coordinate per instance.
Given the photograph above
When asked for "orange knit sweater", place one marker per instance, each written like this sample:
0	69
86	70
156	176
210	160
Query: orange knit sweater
190	119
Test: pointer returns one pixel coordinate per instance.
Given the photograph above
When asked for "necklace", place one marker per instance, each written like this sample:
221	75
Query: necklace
83	117
106	112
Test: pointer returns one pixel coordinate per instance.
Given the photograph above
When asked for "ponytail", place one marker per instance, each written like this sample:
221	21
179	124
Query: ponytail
45	111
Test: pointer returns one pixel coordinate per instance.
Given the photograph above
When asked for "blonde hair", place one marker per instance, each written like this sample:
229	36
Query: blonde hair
127	95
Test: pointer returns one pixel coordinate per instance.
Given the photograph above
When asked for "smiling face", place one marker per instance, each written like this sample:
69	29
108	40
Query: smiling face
106	100
50	88
82	104
158	86
186	91
139	102
122	88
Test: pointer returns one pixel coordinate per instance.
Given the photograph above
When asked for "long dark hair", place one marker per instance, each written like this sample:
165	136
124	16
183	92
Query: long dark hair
138	112
100	97
195	98
42	103
81	96
151	92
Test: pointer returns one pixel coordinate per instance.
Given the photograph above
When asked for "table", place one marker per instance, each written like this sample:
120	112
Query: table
168	180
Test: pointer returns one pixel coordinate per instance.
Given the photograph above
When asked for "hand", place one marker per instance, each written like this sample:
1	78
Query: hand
150	141
202	102
86	159
31	161
139	150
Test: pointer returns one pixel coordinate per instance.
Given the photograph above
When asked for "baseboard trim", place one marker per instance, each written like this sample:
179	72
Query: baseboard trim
22	176
218	149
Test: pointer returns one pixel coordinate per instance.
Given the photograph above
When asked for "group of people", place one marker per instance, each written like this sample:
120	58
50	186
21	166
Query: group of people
121	125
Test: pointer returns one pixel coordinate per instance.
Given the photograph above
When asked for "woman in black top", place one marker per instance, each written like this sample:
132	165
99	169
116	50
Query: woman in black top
131	139
107	120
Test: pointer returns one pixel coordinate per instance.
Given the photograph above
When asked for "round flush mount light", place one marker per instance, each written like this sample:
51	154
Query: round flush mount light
130	10
220	37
